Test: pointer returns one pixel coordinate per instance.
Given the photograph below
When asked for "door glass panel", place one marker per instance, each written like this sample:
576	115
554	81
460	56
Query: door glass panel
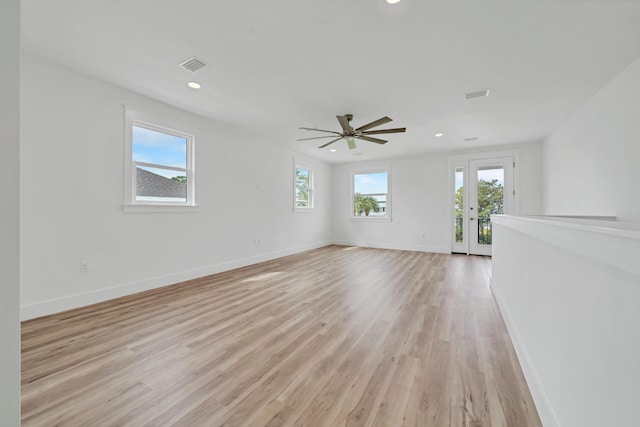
490	199
459	205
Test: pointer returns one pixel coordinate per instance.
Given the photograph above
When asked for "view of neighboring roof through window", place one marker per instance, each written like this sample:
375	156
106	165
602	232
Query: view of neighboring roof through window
161	166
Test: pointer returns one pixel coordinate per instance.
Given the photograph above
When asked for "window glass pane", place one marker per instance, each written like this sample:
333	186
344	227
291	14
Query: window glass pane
459	204
370	194
381	199
150	146
370	183
160	185
490	200
303	178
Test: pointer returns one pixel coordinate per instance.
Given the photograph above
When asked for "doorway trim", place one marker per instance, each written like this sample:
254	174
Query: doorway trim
463	160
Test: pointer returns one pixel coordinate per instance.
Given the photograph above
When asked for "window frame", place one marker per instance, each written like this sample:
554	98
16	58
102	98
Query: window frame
311	201
147	121
372	170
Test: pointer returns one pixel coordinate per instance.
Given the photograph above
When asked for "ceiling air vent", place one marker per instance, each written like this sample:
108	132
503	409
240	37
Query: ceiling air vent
472	138
476	94
193	64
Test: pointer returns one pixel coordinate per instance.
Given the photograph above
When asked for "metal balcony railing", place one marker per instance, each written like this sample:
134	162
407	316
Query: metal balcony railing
484	231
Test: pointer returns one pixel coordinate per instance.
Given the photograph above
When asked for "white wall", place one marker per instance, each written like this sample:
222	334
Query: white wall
530	179
569	294
421	199
72	197
591	160
9	213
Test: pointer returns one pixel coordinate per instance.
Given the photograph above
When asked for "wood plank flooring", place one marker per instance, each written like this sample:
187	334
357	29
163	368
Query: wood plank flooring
330	337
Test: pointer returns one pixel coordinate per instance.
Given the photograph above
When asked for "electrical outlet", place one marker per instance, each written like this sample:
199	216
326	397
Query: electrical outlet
85	267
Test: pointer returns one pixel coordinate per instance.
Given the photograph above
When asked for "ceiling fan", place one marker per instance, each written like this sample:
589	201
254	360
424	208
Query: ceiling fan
349	133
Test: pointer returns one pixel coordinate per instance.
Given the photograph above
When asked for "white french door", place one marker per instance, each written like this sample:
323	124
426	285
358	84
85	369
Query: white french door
483	187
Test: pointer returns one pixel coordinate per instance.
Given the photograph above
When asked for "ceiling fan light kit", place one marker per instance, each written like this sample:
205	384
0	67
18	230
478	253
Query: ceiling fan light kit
350	134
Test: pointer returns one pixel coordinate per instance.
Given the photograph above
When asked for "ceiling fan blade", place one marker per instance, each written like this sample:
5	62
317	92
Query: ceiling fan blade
322	130
373	132
316	137
375	123
344	122
330	142
368	138
351	143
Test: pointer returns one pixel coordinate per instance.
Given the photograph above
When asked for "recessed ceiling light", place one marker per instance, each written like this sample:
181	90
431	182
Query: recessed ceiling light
392	1
333	150
194	85
438	135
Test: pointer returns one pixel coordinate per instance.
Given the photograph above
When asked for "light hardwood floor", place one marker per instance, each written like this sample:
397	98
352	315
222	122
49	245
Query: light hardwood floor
334	336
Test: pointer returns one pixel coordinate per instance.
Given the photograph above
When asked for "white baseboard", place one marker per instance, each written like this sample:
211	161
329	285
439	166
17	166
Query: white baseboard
540	398
56	305
416	248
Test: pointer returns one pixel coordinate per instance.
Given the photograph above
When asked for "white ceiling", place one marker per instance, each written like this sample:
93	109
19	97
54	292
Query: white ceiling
277	65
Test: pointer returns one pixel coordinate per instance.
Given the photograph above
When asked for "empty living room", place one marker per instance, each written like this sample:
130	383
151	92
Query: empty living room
376	213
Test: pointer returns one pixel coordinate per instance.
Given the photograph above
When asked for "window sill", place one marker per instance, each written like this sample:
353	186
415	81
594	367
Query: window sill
305	210
144	208
370	219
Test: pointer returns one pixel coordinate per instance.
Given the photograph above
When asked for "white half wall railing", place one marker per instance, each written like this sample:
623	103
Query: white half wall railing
569	292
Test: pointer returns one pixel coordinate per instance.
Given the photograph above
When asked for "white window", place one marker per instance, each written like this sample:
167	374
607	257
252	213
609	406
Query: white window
370	195
159	170
303	188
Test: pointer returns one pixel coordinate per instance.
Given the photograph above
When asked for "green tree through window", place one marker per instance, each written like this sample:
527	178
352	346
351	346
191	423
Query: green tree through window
490	198
303	188
371	194
364	204
490	202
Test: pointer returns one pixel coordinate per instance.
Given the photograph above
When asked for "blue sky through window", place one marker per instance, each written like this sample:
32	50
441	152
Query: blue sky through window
370	183
303	173
491	174
459	179
483	174
150	146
